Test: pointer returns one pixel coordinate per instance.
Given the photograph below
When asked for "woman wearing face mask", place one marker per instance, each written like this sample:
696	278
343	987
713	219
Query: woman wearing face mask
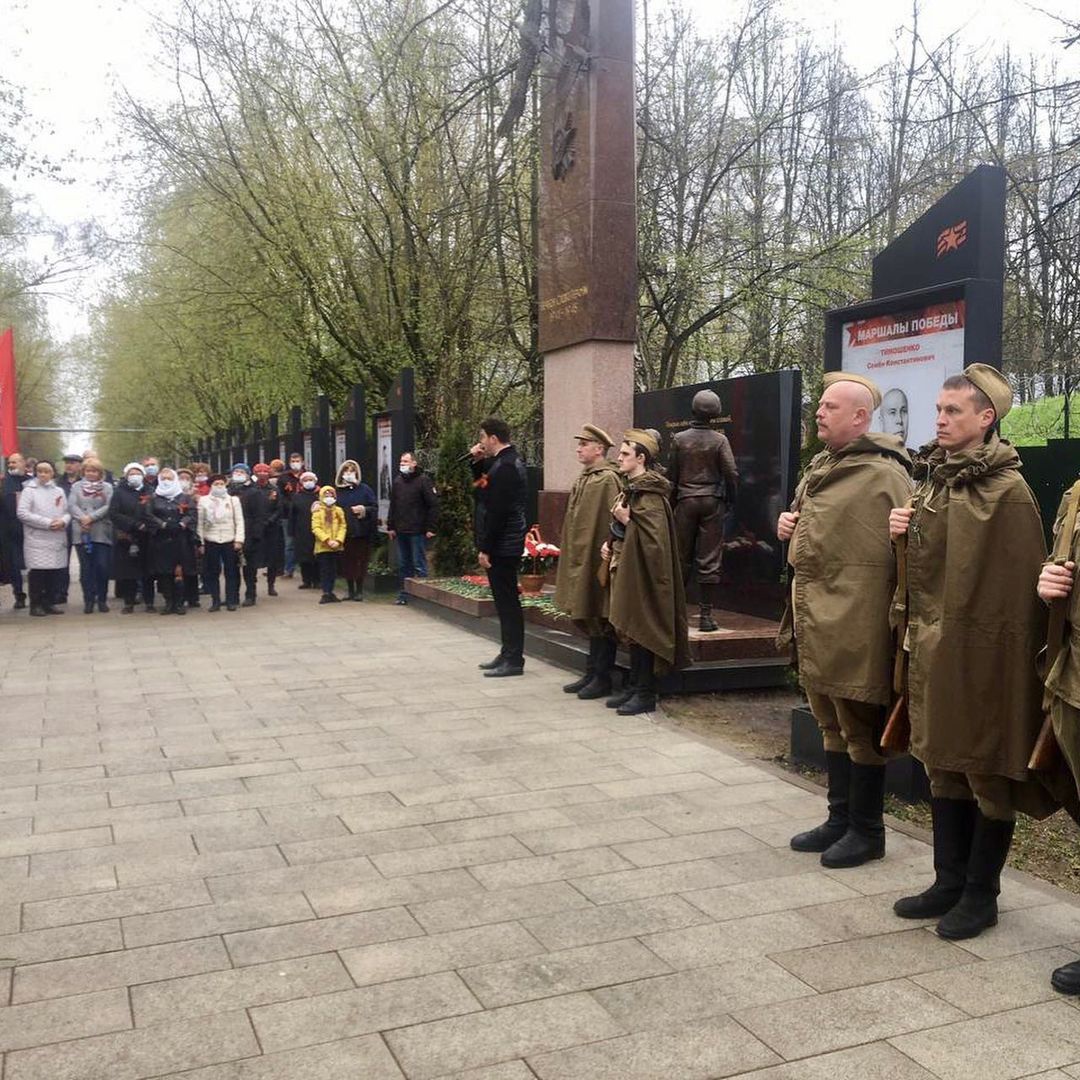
303	499
186	476
92	534
11	532
170	520
129	534
361	517
201	471
45	518
329	528
221	539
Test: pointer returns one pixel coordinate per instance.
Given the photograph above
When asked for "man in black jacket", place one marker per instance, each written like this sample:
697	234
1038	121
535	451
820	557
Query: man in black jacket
256	506
499	475
414	513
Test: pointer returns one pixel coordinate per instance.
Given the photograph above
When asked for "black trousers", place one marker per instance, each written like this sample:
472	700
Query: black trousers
502	576
45	587
222	557
328	570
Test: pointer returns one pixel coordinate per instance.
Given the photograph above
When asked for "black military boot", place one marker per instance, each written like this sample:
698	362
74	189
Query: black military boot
600	684
977	907
590	668
865	836
954	827
643	699
20	601
821	838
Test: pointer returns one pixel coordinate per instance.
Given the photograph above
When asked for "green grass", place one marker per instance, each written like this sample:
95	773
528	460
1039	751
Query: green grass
1032	424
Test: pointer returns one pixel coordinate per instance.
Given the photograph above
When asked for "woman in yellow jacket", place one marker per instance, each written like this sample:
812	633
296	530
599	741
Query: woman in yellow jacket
328	527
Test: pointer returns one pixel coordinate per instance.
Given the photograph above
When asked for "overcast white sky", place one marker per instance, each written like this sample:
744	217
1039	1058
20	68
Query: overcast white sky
72	55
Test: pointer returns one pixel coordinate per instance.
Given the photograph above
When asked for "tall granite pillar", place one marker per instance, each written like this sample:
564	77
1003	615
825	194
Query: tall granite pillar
587	233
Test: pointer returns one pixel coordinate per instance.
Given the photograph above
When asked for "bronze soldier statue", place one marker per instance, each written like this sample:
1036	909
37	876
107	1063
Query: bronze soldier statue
704	481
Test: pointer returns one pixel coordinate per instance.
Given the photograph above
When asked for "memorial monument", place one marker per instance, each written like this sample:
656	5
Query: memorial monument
587	233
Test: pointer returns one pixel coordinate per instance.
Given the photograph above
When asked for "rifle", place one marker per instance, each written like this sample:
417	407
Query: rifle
897	733
1046	753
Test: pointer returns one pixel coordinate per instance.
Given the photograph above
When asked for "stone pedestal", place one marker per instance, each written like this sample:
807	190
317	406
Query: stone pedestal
588	383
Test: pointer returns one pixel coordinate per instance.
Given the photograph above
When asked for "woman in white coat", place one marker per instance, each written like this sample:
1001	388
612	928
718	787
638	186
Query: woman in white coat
44	515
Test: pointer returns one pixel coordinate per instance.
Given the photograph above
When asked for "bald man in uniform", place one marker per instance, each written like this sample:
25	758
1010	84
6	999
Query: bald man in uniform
838	613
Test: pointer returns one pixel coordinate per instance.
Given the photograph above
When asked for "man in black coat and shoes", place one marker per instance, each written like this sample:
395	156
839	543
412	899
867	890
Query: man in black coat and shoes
501	486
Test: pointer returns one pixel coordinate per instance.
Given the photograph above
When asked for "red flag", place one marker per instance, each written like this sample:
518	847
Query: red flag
9	429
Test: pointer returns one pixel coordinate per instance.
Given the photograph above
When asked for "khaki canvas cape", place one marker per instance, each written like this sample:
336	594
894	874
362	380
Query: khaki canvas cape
648	604
845	570
975	624
578	592
1063	679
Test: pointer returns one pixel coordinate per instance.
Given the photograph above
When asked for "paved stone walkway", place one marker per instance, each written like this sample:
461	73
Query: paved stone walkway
310	843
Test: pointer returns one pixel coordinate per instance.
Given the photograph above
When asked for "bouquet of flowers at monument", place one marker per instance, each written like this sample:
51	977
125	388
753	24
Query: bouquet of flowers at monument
536	560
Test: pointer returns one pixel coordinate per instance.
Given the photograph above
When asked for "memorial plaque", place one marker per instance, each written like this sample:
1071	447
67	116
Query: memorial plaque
762	420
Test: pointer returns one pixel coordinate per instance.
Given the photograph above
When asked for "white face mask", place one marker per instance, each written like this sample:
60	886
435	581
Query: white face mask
296	466
200	479
186	485
239	478
350	478
135	480
310	484
218	491
407	470
328	501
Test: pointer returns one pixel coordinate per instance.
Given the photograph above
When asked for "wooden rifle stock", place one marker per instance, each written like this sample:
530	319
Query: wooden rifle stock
1047	753
897	733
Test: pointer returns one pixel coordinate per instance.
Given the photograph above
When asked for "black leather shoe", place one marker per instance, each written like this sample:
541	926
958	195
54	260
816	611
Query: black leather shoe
103	607
230	607
88	609
249	601
128	609
215	606
595	688
1066	979
640	701
271	591
53	611
578	684
329	598
36	610
620	697
487	665
20	601
504	671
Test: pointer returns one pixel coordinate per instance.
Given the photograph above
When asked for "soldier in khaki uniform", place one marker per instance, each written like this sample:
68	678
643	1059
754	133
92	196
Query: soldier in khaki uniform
838	613
1063	679
578	591
975	545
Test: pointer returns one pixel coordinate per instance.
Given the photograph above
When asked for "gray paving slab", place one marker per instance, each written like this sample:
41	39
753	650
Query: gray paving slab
401	871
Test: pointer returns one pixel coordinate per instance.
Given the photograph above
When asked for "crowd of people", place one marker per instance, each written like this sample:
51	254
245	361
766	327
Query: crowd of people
181	534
